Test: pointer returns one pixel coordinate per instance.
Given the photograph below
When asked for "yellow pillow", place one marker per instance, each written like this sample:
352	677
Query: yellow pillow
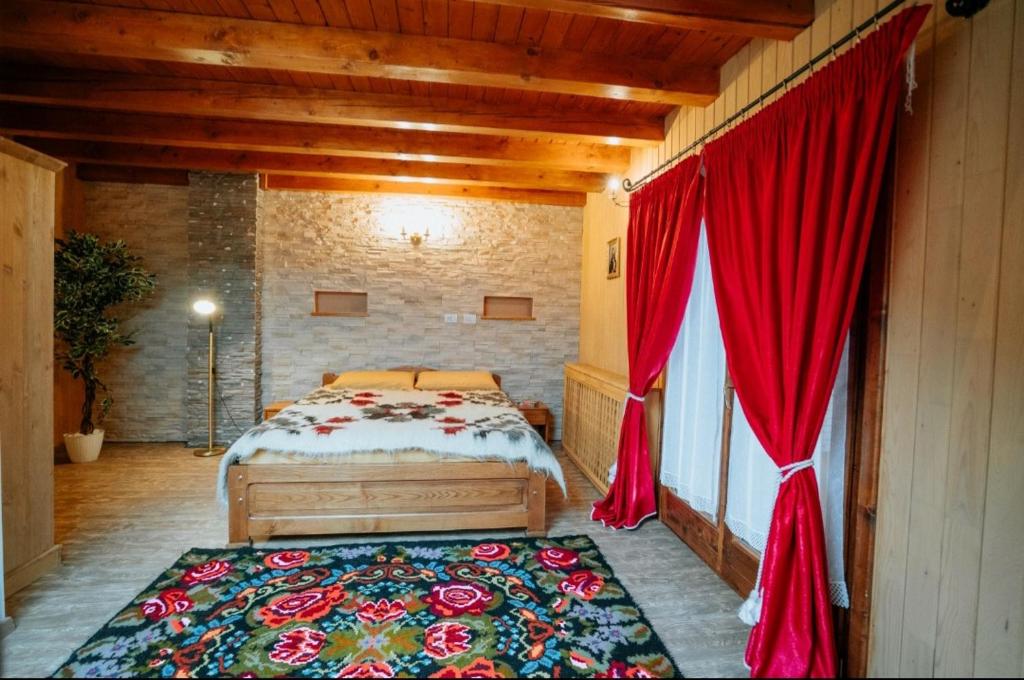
455	380
375	380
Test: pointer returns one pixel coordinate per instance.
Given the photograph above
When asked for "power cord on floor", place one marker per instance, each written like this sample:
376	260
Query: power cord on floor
239	431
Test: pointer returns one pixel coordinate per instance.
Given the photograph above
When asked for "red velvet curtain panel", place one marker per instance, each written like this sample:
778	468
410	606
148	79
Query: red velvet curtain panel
661	247
791	196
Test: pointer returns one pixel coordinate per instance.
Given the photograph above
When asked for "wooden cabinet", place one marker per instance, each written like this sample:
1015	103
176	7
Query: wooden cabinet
27	193
273	408
540	417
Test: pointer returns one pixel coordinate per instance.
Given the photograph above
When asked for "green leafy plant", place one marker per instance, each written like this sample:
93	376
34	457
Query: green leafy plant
90	278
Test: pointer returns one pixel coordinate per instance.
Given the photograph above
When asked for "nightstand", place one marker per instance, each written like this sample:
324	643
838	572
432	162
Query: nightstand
539	415
271	410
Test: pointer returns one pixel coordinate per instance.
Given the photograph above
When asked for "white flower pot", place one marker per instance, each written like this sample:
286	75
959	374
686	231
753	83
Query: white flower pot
84	448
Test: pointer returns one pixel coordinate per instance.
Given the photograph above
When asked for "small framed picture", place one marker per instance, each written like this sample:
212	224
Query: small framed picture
614	257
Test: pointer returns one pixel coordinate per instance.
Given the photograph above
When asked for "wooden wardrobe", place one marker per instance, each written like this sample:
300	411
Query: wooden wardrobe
27	193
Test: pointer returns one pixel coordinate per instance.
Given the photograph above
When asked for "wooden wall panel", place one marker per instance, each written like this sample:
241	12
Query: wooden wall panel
68	393
977	270
603	300
939	301
1000	622
26	361
948	581
903	347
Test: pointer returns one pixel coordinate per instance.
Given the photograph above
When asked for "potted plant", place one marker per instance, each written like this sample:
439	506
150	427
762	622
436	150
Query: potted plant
90	278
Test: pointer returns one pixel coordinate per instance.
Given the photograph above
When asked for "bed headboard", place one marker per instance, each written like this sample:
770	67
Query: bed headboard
328	378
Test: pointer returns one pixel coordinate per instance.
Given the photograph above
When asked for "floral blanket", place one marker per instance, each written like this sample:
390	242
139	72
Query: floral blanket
330	422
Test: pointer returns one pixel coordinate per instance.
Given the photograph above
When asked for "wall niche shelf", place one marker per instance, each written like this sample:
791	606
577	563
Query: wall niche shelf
339	303
506	308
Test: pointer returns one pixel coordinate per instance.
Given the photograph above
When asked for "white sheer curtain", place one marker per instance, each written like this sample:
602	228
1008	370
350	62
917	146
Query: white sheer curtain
752	477
692	440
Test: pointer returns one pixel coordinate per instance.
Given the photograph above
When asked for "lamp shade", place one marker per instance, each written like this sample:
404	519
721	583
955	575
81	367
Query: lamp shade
204	307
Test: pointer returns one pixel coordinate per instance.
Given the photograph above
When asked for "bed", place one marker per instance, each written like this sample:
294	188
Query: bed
358	461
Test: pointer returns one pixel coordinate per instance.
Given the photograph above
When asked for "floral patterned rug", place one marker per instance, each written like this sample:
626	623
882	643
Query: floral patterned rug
439	609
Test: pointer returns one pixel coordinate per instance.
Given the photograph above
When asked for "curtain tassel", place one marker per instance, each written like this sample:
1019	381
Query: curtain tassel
750	611
908	103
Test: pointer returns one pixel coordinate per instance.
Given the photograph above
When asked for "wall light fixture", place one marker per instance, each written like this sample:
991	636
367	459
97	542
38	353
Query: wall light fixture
416	238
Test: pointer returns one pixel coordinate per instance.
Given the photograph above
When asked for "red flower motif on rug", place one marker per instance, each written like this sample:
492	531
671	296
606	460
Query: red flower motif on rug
373	669
479	668
286	559
453	429
341	420
368	395
206	572
558	558
490	552
170	601
298	646
380	611
618	669
451	420
307	605
584	584
445	639
450	395
450	402
456	598
362	402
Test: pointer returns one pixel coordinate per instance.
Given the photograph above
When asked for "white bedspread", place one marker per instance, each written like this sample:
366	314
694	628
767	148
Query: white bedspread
327	423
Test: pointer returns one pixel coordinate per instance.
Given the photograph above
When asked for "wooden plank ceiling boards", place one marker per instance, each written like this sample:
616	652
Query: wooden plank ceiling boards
514	99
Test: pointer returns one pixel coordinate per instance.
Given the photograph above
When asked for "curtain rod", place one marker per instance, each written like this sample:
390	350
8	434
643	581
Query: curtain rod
631	186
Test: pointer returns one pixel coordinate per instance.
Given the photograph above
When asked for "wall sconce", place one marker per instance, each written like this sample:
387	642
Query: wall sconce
613	190
416	238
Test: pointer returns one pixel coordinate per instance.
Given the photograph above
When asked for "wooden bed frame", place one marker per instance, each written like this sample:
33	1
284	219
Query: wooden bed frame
356	497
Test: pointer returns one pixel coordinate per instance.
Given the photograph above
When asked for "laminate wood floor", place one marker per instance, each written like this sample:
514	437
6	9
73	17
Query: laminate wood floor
127	517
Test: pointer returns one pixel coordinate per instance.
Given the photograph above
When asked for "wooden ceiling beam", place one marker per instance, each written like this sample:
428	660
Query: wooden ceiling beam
88	172
345	185
304	164
118	32
210	133
775	19
183	96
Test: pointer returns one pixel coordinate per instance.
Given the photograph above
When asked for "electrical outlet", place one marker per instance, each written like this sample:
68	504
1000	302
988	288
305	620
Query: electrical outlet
469	318
451	318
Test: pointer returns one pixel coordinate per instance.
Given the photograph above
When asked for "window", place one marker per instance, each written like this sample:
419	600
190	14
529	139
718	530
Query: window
717	481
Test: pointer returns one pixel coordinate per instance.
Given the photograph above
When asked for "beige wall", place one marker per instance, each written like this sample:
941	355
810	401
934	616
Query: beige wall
949	571
603	300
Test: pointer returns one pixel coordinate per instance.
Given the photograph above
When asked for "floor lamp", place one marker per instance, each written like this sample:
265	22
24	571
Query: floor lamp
206	308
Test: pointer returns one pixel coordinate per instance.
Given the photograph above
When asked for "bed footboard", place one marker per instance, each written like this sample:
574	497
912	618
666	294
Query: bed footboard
367	498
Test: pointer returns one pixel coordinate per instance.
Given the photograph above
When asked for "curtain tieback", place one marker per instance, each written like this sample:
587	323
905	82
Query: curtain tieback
750	610
630	395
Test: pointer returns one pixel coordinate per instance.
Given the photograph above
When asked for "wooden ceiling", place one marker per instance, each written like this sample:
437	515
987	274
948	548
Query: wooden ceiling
535	100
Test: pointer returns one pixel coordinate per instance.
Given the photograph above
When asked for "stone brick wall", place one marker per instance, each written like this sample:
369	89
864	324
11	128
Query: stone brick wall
147	380
261	255
222	265
319	241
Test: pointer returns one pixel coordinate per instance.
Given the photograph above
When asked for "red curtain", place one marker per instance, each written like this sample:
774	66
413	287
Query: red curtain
661	243
791	195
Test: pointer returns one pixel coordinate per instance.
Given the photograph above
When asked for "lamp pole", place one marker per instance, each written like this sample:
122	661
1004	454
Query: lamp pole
207	308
